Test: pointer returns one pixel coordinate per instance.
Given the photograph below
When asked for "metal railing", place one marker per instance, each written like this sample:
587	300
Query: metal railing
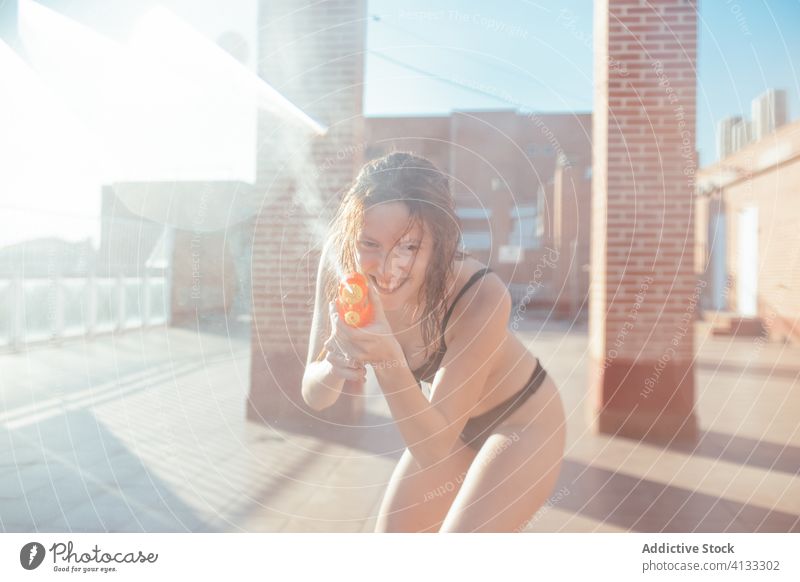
46	309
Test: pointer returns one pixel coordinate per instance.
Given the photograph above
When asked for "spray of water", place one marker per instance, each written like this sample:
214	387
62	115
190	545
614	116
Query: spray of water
141	101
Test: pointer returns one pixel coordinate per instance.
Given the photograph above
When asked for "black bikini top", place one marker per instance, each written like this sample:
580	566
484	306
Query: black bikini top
427	371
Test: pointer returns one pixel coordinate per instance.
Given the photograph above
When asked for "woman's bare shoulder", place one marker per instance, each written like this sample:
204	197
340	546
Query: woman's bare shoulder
465	269
487	297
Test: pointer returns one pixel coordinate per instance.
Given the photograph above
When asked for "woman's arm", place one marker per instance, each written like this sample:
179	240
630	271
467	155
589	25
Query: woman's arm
322	380
430	429
321	386
420	423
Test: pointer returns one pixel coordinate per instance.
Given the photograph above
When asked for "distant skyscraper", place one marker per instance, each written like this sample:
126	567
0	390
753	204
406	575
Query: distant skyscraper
768	112
725	130
741	134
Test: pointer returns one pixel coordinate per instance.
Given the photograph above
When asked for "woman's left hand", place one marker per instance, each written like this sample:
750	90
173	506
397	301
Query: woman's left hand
372	344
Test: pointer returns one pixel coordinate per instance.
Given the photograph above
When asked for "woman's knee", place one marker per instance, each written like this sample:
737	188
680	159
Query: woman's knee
404	521
418	499
408	508
514	476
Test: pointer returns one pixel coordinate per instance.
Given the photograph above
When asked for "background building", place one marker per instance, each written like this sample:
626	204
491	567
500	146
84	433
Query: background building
769	112
725	135
747	244
522	185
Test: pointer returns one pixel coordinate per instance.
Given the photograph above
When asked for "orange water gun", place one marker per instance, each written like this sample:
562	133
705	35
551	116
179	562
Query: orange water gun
352	302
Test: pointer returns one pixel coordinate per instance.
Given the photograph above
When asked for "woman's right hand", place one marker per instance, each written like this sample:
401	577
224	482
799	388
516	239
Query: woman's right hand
341	366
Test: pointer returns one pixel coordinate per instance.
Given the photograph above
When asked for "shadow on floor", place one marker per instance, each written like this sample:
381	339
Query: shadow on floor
70	474
372	433
647	506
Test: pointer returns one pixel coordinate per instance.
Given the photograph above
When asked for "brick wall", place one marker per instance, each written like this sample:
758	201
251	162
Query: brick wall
313	54
644	162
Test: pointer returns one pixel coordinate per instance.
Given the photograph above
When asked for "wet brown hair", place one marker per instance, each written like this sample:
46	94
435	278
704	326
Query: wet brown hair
425	190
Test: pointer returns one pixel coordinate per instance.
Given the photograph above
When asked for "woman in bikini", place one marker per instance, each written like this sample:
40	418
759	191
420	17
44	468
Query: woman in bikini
485	449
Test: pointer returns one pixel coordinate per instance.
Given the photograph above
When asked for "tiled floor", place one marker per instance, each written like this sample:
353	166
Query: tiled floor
145	431
743	475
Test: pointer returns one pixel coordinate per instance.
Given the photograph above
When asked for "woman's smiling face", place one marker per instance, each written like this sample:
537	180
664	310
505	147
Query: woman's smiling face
394	260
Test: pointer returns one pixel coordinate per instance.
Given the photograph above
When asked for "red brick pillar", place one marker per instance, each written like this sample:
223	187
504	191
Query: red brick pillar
644	293
314	56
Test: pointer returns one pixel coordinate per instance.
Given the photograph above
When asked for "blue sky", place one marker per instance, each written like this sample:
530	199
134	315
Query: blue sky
539	54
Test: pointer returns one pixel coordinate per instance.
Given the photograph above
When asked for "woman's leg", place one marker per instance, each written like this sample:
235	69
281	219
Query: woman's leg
515	470
417	500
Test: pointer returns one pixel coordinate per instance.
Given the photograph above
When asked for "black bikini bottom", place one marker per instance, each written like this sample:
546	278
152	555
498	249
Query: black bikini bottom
479	428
